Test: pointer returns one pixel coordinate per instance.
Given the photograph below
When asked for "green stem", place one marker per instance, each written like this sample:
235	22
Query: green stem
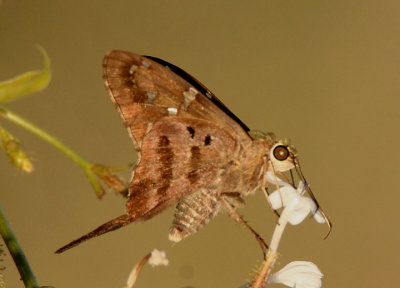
7	114
85	165
16	252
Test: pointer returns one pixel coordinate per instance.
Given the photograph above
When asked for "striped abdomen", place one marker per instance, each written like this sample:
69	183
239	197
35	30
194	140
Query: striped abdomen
192	213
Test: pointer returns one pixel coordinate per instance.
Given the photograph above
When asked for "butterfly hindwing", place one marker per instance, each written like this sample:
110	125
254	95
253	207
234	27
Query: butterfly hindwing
179	155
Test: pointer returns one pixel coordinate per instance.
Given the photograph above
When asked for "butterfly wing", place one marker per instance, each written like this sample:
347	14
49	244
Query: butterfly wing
166	111
202	89
185	136
144	91
179	156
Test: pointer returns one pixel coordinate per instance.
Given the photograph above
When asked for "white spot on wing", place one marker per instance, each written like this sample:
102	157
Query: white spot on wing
189	96
145	64
193	91
149	126
172	111
150	97
133	69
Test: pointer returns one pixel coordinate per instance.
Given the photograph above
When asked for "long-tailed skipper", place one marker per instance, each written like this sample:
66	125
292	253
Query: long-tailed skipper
194	153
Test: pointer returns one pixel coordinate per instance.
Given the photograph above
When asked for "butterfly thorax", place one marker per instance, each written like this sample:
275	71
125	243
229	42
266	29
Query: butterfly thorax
247	172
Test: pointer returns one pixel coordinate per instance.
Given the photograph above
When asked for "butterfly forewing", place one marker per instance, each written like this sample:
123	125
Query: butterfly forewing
201	88
145	91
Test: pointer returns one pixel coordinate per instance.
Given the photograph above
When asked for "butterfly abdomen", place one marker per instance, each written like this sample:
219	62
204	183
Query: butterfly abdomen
193	213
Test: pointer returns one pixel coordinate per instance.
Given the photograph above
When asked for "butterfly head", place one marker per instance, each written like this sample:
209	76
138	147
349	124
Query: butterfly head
283	156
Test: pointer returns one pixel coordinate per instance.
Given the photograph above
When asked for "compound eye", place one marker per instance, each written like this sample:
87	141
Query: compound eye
281	152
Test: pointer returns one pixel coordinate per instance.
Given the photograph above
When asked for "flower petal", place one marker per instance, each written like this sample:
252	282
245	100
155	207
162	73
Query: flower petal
316	215
299	212
286	194
299	274
275	200
319	218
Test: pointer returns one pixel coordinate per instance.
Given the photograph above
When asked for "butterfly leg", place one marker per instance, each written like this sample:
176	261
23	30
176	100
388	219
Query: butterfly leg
266	193
226	202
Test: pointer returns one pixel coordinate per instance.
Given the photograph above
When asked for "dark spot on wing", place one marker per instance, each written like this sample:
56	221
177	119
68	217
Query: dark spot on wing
166	158
163	141
207	140
191	131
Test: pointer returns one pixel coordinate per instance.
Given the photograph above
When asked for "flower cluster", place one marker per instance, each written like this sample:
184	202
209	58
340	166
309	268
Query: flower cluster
286	194
295	208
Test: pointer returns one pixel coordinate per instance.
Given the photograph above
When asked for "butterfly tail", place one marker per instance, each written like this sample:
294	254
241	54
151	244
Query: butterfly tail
112	225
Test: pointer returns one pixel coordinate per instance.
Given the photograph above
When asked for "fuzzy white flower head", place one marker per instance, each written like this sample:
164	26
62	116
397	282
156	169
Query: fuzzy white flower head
158	258
298	274
287	194
155	258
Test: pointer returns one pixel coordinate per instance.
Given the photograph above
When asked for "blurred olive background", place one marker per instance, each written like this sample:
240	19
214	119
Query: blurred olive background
323	73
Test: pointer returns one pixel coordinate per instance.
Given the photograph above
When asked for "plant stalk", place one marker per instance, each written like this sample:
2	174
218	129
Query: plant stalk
16	252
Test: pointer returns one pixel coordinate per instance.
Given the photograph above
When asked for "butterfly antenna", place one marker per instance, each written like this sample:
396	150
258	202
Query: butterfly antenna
112	225
318	207
291	176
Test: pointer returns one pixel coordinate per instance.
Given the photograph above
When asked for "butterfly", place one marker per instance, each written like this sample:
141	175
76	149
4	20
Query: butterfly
194	153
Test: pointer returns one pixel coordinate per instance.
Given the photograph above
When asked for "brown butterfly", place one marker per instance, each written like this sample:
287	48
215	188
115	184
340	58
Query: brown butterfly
193	151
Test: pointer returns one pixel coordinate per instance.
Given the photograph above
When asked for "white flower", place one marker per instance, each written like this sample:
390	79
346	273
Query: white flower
273	179
287	194
298	274
154	258
158	258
